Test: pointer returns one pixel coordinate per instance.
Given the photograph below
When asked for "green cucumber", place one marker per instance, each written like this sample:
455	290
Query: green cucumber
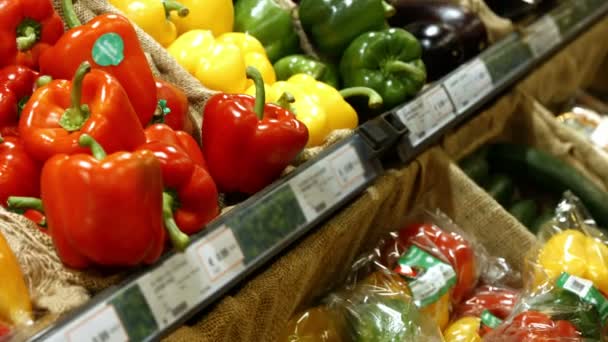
524	211
476	167
501	188
550	173
540	221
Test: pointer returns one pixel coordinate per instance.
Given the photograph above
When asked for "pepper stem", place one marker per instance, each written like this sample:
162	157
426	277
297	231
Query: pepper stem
161	112
69	14
74	117
389	10
97	150
374	99
43	80
172	5
400	66
28	40
285	100
260	92
1	140
17	202
179	240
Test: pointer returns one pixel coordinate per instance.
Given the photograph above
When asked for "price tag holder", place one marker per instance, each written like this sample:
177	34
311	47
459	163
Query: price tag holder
468	85
173	288
543	35
328	181
220	256
101	324
427	114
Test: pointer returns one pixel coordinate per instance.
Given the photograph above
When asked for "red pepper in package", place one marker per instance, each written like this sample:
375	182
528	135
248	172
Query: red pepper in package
104	210
108	42
184	176
446	245
17	83
173	106
500	301
19	173
27	27
94	103
534	326
247	144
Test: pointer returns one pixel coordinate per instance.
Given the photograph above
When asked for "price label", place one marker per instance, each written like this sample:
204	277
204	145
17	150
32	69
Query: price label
427	114
220	255
327	182
543	35
600	135
173	288
102	325
469	85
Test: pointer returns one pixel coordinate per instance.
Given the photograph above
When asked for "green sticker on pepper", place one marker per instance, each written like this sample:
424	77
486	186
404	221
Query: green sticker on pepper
433	278
490	320
108	50
585	290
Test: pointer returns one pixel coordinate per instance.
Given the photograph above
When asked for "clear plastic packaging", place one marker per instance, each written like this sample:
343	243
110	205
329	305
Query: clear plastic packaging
320	324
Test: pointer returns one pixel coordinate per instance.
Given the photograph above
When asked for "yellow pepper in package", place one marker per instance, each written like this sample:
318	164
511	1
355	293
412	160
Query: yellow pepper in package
439	311
15	303
216	16
575	253
465	329
153	17
319	106
221	63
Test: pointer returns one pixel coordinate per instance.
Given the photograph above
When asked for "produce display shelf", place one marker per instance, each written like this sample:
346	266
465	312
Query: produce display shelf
460	94
158	299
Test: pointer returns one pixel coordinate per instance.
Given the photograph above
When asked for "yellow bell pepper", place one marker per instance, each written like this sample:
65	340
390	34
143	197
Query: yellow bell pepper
439	311
319	106
216	16
573	252
152	17
15	303
221	63
465	329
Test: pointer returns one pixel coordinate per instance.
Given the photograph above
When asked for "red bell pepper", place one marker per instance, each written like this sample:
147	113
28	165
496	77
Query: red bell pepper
94	102
27	27
247	144
103	210
184	177
19	173
500	301
17	83
533	326
445	245
173	110
119	53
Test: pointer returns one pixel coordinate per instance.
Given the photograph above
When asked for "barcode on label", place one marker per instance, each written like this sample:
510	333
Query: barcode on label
101	326
177	311
578	286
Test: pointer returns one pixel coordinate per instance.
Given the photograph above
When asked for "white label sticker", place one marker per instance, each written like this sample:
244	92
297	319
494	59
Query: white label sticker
328	181
542	35
220	255
600	135
469	85
173	288
102	325
578	286
427	114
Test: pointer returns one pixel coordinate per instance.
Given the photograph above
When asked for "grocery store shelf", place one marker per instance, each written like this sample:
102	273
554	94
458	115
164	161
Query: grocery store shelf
459	95
158	299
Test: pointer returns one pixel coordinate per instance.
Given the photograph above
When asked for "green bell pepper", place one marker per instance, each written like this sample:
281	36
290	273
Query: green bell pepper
302	64
332	24
387	61
270	24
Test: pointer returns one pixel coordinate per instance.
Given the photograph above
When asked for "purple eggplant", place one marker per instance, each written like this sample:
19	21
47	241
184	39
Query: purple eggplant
467	27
